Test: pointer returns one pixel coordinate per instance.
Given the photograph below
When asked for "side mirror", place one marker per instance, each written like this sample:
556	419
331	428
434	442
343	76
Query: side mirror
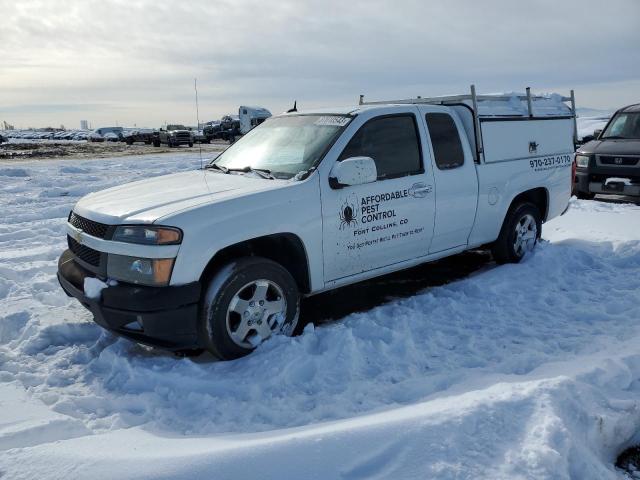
353	171
596	133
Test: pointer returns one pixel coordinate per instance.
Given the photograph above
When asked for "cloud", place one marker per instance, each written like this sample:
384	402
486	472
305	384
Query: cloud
140	57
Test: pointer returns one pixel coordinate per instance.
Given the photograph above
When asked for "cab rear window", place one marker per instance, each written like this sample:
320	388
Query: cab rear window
445	139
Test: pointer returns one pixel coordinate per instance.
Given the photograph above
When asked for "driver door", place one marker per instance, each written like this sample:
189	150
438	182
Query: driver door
390	220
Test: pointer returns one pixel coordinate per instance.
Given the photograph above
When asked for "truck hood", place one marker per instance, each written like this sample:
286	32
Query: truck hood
611	147
147	200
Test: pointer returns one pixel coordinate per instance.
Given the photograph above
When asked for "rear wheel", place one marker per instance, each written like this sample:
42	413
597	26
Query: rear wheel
519	234
246	302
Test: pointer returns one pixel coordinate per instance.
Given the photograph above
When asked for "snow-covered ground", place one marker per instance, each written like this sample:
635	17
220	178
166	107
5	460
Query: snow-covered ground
520	371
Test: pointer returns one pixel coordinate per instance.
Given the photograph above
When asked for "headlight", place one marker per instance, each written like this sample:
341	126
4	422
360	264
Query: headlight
582	161
147	235
155	272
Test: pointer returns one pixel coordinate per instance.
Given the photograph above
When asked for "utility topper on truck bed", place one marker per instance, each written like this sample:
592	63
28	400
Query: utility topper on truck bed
310	201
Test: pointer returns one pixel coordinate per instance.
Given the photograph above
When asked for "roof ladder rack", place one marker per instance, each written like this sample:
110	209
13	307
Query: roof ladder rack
475	98
448	99
476	124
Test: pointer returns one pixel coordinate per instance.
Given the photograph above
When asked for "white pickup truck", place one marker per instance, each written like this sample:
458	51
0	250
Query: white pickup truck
219	258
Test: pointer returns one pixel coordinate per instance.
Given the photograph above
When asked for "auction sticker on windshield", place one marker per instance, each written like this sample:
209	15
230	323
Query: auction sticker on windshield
332	121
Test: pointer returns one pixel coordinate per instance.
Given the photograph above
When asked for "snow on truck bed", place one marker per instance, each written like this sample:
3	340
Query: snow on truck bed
518	371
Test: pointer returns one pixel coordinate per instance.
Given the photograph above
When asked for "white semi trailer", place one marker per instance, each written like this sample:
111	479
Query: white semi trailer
251	117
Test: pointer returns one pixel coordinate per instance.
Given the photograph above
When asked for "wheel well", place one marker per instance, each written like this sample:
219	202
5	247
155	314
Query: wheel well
538	196
284	248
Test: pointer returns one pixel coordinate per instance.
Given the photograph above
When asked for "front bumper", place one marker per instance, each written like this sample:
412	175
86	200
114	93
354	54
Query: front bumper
588	182
164	317
181	139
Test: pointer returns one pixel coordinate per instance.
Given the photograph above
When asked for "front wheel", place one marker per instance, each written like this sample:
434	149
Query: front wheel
246	302
519	234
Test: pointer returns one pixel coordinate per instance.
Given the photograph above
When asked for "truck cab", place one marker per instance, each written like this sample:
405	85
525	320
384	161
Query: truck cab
306	202
251	117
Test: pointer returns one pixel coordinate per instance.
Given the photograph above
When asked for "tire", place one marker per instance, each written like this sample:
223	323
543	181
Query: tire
232	320
156	143
190	144
523	223
585	195
129	142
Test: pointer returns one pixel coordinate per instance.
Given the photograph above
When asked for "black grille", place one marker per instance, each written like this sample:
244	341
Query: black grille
613	160
95	229
84	253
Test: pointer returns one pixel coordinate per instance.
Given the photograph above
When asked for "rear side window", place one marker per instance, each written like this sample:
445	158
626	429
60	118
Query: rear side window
393	144
445	140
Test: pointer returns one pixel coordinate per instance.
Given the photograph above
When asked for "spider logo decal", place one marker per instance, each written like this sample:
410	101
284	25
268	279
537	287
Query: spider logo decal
348	213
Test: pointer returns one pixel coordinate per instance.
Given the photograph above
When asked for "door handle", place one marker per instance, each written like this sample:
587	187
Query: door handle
420	190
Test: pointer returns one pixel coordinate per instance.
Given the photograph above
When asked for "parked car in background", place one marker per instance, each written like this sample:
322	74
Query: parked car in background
227	128
80	135
210	130
111	137
610	162
230	122
143	135
173	136
102	134
199	136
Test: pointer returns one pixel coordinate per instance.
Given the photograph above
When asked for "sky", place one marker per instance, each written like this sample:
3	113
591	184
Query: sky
134	62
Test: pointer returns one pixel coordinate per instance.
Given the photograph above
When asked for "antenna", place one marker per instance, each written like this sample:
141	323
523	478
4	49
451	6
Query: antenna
195	87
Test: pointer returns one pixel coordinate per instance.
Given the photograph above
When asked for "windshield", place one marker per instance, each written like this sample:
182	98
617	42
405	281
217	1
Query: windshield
624	125
176	127
284	145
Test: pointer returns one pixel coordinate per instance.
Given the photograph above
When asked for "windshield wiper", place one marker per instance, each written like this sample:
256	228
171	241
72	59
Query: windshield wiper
615	137
263	172
217	167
